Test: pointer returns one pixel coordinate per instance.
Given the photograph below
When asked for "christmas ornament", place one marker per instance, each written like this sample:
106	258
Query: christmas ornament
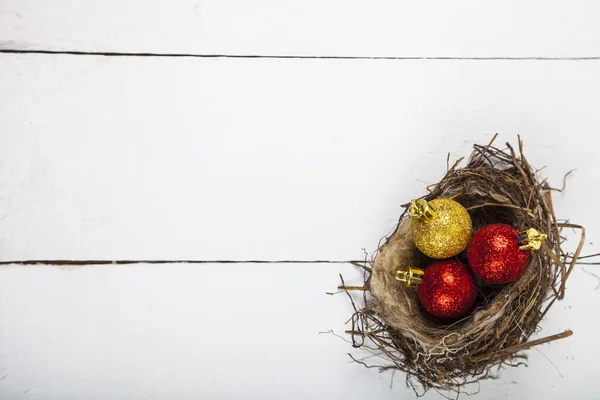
499	254
441	228
445	288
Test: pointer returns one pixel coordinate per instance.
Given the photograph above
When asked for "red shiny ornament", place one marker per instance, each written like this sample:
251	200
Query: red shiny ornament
447	289
494	254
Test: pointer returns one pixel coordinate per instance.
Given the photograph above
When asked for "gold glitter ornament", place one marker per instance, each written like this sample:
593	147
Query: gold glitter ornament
441	228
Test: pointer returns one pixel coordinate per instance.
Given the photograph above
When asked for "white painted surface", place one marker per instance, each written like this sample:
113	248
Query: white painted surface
231	332
150	158
242	159
437	28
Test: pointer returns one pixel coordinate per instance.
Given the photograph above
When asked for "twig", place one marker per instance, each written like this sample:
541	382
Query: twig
530	344
586	256
498	205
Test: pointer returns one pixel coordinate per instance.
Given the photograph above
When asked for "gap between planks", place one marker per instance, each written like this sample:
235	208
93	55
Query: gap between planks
191	55
123	262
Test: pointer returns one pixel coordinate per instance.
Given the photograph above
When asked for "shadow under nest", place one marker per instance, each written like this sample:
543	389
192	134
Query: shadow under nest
497	185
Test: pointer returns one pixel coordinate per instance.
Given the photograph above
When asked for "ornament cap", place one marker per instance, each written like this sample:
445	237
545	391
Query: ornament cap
411	277
420	209
533	238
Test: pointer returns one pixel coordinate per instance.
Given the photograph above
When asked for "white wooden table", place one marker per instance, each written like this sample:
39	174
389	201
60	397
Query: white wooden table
229	130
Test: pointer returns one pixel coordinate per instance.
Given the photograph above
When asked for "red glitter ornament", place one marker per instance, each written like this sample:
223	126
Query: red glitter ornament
447	289
495	255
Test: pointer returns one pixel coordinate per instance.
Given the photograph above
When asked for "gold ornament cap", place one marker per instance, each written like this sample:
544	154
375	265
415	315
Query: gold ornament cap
420	209
411	277
533	238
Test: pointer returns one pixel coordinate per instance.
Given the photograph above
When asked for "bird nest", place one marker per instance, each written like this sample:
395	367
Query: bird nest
496	186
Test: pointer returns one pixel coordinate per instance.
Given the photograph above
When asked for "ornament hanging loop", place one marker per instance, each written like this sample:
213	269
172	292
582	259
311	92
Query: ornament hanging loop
420	209
411	277
533	238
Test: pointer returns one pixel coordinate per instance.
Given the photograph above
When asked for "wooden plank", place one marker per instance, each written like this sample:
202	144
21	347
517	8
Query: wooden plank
539	28
230	331
213	159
